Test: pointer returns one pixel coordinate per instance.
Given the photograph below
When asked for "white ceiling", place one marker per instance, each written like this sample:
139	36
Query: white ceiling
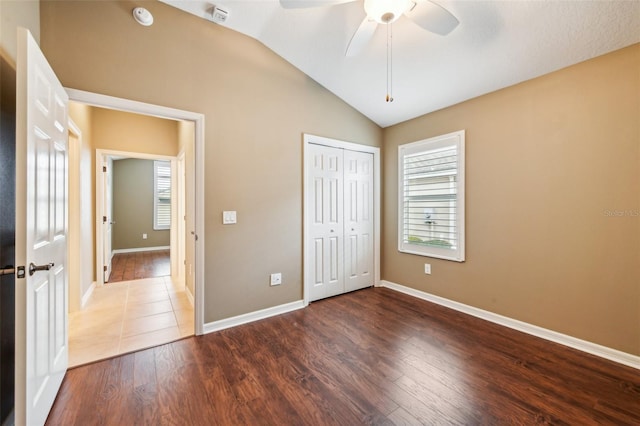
497	44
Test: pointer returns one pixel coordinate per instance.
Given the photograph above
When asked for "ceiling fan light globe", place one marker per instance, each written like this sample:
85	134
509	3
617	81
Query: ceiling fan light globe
386	11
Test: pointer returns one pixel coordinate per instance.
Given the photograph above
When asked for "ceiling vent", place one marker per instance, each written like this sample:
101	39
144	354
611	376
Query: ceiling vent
218	15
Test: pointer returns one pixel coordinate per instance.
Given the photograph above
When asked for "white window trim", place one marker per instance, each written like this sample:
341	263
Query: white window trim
156	226
457	138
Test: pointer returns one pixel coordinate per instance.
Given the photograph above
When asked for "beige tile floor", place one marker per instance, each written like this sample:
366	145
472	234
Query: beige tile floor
128	316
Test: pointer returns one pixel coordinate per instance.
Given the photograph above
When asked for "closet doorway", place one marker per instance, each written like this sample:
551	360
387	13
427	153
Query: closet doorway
341	217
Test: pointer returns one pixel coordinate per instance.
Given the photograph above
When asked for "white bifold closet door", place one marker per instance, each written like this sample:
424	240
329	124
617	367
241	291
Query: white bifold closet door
358	220
340	203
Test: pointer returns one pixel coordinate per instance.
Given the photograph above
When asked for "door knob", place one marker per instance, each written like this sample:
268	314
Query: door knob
33	268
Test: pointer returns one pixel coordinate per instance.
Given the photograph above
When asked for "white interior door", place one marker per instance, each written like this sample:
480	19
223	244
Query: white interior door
41	234
107	218
325	271
358	220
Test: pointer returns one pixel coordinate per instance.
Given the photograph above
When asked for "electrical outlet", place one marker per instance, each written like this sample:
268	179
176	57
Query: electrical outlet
427	268
276	279
144	236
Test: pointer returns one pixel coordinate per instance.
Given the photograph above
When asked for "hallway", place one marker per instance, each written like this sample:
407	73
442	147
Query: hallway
128	316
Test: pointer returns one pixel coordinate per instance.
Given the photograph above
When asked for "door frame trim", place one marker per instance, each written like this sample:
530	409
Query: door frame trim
74	247
179	270
127	105
309	139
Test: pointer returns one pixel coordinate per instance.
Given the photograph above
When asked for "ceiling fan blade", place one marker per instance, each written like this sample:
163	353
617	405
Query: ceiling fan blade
432	17
361	37
302	4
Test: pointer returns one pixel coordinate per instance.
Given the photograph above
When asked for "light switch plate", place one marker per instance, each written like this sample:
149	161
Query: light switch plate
229	217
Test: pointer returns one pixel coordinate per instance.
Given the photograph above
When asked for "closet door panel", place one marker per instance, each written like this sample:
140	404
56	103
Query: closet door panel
359	221
326	203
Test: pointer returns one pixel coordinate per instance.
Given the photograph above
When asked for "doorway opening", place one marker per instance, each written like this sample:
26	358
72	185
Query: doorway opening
139	228
157	302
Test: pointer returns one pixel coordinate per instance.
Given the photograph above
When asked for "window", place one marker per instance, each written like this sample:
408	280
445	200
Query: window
431	197
161	195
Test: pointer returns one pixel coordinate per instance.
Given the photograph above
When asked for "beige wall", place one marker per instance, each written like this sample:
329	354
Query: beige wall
256	107
546	160
123	131
133	206
81	116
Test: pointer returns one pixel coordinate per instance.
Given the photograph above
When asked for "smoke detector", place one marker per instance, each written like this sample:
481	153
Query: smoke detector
143	16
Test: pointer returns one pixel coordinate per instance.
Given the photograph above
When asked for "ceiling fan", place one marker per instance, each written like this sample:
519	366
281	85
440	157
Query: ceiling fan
425	13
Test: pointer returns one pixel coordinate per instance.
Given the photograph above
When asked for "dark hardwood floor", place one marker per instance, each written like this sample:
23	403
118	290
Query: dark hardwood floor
370	357
139	265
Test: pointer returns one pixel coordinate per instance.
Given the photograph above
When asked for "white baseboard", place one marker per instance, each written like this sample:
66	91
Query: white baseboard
534	330
87	294
136	250
252	316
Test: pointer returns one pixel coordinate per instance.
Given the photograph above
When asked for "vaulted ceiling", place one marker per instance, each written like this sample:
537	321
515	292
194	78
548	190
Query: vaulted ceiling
497	44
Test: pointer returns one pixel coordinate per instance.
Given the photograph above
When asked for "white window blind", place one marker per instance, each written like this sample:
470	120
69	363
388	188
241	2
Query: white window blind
431	197
162	195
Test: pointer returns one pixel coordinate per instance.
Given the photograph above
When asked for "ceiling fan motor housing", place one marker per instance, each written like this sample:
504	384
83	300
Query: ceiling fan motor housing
386	11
